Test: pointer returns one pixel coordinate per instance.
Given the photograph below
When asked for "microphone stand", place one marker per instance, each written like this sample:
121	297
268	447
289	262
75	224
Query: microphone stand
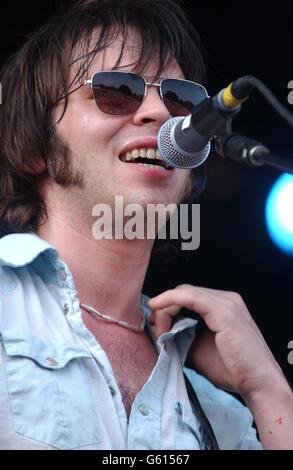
241	149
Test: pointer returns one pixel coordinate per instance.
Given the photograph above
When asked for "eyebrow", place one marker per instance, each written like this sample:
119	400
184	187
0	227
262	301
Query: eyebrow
140	74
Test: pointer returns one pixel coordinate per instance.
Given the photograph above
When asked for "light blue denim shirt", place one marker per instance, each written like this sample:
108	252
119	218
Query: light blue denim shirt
57	387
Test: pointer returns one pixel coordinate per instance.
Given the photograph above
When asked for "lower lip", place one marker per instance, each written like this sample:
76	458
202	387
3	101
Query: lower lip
151	172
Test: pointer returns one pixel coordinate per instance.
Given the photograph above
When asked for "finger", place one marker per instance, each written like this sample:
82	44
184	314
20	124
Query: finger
192	297
172	311
181	296
221	295
162	321
206	305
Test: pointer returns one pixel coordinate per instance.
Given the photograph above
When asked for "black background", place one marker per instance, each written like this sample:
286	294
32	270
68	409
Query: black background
236	253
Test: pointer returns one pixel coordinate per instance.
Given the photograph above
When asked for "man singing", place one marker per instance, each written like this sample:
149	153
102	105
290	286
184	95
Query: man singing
87	361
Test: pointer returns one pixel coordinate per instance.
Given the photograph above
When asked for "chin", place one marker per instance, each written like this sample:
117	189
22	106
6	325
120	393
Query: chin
151	196
150	200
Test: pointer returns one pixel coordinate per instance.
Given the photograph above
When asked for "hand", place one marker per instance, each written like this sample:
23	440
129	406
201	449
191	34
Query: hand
232	353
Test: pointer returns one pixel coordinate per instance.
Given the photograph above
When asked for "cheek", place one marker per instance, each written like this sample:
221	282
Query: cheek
84	124
184	186
93	128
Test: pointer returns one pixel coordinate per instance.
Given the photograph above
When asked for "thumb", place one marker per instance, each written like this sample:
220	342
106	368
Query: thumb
162	319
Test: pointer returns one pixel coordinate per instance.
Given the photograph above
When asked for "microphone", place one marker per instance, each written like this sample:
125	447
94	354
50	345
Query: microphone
185	142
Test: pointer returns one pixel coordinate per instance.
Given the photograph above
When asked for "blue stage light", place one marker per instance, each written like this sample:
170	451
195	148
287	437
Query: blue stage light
279	213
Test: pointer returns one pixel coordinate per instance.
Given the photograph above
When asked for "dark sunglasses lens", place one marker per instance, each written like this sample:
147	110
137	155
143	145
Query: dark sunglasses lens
118	93
181	97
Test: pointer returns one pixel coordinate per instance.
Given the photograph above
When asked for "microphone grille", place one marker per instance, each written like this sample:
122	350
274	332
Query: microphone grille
178	158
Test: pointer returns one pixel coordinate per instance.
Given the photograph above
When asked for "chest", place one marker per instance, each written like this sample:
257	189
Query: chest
132	364
132	357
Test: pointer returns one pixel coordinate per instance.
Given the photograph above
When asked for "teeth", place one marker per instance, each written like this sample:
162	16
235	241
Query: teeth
156	167
135	154
151	154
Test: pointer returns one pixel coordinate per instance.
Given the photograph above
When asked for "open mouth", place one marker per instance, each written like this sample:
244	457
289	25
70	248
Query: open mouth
148	157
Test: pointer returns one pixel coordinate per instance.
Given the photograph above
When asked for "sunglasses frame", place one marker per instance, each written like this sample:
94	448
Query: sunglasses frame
89	83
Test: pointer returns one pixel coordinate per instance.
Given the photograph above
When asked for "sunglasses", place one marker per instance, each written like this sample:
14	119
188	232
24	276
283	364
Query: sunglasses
122	93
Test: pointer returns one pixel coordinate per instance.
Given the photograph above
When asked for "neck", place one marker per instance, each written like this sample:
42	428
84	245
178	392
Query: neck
108	274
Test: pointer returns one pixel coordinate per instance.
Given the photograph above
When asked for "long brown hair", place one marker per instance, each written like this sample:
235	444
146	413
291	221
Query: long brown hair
35	79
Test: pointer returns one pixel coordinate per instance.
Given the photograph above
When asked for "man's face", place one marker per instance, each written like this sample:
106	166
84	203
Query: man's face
96	140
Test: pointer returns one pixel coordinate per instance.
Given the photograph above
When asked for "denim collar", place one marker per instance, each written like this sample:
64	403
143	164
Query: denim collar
21	249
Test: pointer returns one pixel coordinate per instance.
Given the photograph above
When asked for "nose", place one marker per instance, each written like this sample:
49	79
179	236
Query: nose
152	111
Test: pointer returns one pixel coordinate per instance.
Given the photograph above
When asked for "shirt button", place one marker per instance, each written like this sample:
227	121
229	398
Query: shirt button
51	361
144	410
62	274
66	309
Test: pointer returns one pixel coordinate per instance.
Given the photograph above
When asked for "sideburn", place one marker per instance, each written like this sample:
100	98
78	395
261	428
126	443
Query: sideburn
60	164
